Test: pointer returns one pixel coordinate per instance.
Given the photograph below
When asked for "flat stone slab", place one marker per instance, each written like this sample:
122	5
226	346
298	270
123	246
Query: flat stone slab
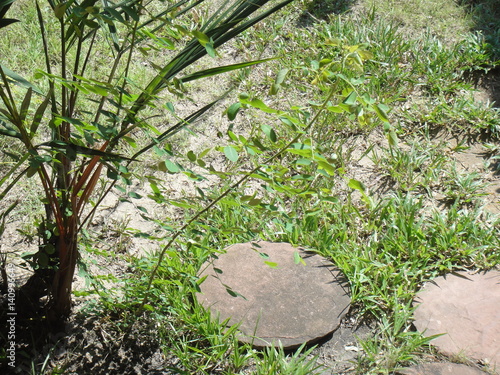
264	287
442	369
466	308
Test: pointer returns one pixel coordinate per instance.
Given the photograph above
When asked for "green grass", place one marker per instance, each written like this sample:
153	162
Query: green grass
415	57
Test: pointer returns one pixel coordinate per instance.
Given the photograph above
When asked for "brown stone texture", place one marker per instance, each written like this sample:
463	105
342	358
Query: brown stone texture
442	369
278	301
466	309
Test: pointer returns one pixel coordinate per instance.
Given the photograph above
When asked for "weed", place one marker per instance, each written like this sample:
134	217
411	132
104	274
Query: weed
463	188
275	361
419	167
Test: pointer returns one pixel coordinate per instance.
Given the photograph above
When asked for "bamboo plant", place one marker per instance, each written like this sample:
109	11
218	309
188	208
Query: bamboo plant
70	131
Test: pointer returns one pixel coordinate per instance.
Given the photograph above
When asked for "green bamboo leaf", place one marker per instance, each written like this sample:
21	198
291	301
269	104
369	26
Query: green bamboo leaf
59	10
11	133
4	22
202	37
25	105
231	153
71	149
131	12
18	80
221	69
14	169
37	118
170	107
221	28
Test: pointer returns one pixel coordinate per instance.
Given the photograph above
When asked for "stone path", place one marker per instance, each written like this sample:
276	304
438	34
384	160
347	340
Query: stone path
466	309
442	369
277	293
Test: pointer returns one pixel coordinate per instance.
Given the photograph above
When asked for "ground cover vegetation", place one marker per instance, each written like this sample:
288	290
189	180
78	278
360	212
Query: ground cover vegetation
343	127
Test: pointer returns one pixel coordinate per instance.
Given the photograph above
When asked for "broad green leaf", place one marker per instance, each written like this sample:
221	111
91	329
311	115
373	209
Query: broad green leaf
271	264
43	260
351	99
120	188
281	76
254	202
303	162
335	109
392	138
297	258
231	153
134	195
233	110
170	107
327	167
381	112
233	136
259	104
211	50
191	156
172	167
278	81
357	185
269	131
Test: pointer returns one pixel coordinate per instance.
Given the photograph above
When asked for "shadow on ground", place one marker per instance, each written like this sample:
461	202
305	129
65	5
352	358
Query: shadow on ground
318	10
486	17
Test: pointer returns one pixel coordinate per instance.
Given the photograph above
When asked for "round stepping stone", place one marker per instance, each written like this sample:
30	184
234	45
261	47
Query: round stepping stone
466	308
275	295
442	369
